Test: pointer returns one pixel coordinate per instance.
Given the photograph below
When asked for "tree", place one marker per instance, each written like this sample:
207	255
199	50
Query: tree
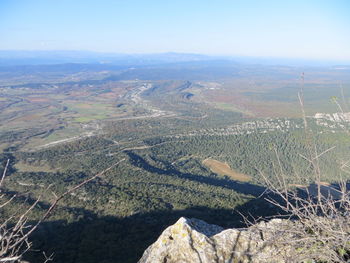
15	230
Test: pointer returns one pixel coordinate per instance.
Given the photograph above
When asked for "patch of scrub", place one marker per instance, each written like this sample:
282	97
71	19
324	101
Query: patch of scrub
221	168
231	107
24	167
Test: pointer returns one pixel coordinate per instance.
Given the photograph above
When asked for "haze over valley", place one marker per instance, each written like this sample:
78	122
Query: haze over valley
193	125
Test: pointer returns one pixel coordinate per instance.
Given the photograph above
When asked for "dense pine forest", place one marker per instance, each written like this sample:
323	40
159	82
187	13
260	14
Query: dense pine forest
197	147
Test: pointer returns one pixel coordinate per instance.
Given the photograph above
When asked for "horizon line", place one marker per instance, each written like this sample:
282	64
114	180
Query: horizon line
179	53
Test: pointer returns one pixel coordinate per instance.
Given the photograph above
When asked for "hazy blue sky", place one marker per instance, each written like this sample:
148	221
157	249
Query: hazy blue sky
287	28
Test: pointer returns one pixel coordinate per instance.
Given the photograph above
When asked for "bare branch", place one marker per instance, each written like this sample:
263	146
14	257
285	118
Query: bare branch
4	172
14	239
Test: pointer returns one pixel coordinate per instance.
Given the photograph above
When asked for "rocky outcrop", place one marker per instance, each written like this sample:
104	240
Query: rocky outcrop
193	240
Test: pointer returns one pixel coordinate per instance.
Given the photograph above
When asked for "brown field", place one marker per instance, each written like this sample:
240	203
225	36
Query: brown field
235	101
29	117
224	169
38	99
80	93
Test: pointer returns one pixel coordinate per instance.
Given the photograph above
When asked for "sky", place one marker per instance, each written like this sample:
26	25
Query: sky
317	29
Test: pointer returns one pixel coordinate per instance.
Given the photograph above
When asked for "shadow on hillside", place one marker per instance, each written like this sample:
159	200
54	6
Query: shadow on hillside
112	239
244	188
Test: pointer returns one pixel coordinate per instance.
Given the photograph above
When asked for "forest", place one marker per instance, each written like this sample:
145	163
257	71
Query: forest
58	133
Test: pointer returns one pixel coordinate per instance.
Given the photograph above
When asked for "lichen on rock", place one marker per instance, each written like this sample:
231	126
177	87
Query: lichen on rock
193	240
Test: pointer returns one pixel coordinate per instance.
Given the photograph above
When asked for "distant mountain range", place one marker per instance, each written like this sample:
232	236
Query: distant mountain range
25	57
12	57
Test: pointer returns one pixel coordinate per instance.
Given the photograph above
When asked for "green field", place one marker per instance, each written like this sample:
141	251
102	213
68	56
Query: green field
163	123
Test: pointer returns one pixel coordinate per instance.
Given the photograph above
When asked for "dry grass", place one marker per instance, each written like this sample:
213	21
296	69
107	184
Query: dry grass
321	232
224	169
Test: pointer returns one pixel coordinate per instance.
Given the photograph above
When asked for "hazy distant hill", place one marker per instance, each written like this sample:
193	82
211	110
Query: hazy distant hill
37	57
13	57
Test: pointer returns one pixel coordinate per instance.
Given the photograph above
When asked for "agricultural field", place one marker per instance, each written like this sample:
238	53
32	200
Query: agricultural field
224	169
192	140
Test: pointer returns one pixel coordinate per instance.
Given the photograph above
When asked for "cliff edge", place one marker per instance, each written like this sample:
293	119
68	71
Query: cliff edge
193	240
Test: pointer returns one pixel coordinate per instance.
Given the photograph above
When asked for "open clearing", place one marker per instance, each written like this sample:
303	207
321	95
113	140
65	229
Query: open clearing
224	169
24	167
